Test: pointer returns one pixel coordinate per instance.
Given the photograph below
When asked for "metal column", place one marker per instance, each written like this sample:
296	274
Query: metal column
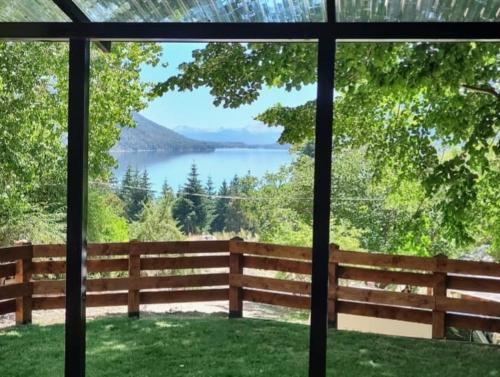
321	212
78	130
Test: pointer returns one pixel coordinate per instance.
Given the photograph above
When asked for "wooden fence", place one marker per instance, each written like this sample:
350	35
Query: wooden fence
145	273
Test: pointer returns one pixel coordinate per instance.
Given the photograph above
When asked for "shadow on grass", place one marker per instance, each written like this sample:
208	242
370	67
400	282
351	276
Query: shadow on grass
210	345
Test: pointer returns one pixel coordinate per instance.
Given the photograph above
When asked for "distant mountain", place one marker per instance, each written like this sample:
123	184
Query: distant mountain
150	136
265	137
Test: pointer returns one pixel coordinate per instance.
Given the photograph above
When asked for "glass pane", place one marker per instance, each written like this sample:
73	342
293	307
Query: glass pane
30	11
204	10
418	10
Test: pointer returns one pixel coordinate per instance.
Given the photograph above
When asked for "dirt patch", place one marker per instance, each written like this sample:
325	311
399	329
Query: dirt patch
251	310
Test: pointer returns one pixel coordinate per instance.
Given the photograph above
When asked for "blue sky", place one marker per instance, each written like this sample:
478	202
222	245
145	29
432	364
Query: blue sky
195	109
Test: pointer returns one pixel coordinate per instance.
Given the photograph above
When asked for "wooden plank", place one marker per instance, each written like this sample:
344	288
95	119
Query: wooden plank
271	298
43	287
472	268
486	308
270	284
52	287
235	291
47	302
8	306
102	249
49	287
14	253
473	323
333	283
7	270
107	299
24	303
473	284
14	290
439	291
108	284
183	281
107	265
386	277
49	267
93	265
134	273
183	247
383	297
274	264
387	312
384	260
271	250
198	295
59	251
93	300
166	263
56	251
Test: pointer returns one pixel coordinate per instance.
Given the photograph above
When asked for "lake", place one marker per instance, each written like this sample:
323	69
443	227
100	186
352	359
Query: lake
220	164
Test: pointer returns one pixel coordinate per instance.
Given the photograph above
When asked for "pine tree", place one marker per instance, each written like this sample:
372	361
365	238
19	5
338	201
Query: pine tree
190	209
221	209
135	192
210	200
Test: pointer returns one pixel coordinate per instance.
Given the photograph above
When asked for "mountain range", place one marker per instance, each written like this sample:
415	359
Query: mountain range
264	136
151	136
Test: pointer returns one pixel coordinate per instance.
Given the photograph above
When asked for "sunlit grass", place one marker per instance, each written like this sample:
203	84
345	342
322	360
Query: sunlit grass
214	346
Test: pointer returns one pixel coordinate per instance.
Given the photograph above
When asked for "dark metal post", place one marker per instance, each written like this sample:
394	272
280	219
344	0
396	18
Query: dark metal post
78	130
321	212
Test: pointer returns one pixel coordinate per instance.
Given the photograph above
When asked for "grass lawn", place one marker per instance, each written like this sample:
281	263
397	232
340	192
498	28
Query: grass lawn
214	346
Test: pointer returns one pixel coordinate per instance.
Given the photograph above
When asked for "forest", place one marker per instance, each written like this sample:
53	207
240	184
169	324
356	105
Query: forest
415	162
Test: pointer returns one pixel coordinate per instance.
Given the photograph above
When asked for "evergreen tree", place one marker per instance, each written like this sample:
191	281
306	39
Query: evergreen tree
167	193
221	209
210	200
190	209
135	192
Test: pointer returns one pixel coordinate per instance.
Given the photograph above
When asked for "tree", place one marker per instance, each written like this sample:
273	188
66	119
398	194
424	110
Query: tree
210	200
156	223
33	119
190	208
221	209
135	191
105	217
426	112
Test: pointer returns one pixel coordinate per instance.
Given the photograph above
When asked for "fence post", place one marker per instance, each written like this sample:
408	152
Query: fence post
439	291
134	274
235	293
24	304
332	287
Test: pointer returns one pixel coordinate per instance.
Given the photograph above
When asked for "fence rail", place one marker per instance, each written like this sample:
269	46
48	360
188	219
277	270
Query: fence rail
422	290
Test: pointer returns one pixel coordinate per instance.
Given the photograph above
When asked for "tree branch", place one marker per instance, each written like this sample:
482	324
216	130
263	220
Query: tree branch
487	90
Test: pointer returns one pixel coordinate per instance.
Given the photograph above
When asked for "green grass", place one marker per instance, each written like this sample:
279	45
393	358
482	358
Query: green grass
214	346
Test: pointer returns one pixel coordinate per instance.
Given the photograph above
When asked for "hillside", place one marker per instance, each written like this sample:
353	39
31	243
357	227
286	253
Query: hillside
150	136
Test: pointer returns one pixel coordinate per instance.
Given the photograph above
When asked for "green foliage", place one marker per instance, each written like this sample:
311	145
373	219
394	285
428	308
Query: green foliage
37	226
105	217
406	104
135	192
190	208
33	119
221	211
156	222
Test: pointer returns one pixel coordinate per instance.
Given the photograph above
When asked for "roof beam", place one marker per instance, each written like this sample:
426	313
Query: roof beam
74	12
390	31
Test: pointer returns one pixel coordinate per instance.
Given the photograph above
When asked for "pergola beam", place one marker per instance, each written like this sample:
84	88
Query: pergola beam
341	31
75	14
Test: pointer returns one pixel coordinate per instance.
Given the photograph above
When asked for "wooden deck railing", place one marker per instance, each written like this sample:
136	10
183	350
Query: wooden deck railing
145	273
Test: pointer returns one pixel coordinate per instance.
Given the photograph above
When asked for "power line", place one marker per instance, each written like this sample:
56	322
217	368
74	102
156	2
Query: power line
233	197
